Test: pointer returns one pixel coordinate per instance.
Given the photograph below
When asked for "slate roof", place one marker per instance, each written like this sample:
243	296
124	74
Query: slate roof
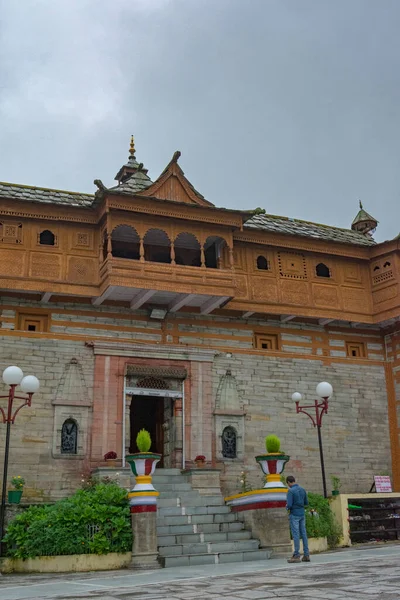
29	193
285	225
136	183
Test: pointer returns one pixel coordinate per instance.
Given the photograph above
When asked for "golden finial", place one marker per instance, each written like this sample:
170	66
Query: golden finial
132	147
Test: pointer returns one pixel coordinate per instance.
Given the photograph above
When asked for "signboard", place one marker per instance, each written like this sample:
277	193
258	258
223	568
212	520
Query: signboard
382	484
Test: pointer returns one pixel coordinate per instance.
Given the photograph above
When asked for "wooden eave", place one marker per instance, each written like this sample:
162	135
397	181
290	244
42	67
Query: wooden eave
306	244
384	248
176	210
21	209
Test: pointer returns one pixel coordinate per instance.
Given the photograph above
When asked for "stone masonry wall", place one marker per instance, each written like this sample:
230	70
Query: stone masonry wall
32	434
355	431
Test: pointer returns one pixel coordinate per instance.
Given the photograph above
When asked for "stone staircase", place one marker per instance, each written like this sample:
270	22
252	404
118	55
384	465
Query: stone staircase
193	529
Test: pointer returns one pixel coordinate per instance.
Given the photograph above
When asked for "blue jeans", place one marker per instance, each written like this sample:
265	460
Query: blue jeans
298	529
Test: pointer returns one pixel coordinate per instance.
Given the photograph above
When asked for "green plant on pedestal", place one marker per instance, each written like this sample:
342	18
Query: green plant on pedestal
14	496
336	484
143	441
273	444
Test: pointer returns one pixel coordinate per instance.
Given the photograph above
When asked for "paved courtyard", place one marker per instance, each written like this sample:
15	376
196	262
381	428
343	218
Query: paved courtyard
350	575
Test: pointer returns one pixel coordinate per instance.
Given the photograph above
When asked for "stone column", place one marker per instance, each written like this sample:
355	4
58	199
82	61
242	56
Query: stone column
144	548
178	434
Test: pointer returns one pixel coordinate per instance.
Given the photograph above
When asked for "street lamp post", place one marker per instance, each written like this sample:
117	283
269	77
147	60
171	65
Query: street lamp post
13	376
324	391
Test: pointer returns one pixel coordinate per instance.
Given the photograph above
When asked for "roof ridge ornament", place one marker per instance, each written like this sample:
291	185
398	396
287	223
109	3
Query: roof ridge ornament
132	147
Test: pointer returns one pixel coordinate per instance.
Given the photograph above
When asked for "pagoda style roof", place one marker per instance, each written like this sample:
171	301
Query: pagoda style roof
136	183
296	227
28	193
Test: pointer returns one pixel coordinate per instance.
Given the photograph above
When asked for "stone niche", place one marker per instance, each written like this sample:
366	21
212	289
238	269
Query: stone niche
229	418
72	408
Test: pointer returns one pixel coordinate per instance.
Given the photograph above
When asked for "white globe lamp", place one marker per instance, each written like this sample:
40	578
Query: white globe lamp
296	397
30	384
12	376
324	389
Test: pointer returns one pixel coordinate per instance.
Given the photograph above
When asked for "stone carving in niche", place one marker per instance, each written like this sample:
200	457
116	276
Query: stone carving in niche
229	418
71	407
11	233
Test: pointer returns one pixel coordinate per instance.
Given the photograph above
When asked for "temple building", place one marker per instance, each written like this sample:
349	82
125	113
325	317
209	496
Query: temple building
145	305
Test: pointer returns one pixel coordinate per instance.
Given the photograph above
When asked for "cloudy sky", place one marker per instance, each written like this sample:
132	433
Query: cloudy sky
291	105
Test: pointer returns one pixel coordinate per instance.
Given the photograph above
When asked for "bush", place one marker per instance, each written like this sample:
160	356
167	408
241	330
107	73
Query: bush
95	520
272	443
322	523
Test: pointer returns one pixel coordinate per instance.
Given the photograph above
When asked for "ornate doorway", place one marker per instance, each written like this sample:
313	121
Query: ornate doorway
155	404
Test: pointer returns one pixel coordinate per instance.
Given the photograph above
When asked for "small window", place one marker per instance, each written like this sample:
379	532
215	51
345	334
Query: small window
47	238
377	268
229	442
356	349
262	263
266	341
32	322
69	437
322	270
387	264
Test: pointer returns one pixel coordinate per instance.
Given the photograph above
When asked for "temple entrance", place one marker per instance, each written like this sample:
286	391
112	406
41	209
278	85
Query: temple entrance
147	412
155	404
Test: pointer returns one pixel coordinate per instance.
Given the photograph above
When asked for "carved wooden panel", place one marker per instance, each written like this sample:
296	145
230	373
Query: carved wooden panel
325	295
352	273
241	282
382	271
385	294
264	289
83	240
45	265
12	262
82	270
294	292
292	265
356	300
10	232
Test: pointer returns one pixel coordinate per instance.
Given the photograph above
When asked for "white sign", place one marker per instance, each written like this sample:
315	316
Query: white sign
382	484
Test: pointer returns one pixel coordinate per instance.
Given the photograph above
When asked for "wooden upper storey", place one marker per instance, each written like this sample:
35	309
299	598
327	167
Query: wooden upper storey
163	243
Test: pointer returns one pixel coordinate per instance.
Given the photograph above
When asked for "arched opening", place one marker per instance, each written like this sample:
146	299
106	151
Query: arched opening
262	263
187	250
125	242
229	442
322	270
212	251
47	238
69	437
157	246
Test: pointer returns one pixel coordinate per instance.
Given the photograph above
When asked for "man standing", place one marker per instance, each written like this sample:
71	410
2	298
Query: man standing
296	501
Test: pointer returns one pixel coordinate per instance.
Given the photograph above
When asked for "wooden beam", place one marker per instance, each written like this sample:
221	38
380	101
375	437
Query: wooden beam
45	298
139	299
286	318
325	321
248	314
100	299
180	301
211	304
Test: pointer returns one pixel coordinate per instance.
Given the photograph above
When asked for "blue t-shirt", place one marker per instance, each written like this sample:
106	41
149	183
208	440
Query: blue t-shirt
296	500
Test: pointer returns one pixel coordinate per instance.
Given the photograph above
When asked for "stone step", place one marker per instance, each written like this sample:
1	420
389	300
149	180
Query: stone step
174	487
212	502
183	495
200	538
167	472
213	559
209	548
212	516
188	528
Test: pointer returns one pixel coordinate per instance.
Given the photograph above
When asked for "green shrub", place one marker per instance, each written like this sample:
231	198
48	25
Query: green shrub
143	441
272	443
95	520
322	522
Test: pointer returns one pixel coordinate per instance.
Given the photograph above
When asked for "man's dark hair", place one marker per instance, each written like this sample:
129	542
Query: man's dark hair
290	479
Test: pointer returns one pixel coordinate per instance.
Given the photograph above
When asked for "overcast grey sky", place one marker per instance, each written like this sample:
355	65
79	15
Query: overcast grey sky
291	105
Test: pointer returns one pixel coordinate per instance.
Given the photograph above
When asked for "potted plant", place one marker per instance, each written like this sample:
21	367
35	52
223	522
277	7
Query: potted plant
143	463
336	484
200	461
14	496
273	463
111	458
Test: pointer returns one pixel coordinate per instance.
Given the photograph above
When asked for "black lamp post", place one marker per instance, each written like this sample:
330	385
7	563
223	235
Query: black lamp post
324	391
13	376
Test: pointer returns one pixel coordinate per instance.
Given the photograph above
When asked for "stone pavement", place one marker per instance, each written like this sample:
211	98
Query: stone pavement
365	574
